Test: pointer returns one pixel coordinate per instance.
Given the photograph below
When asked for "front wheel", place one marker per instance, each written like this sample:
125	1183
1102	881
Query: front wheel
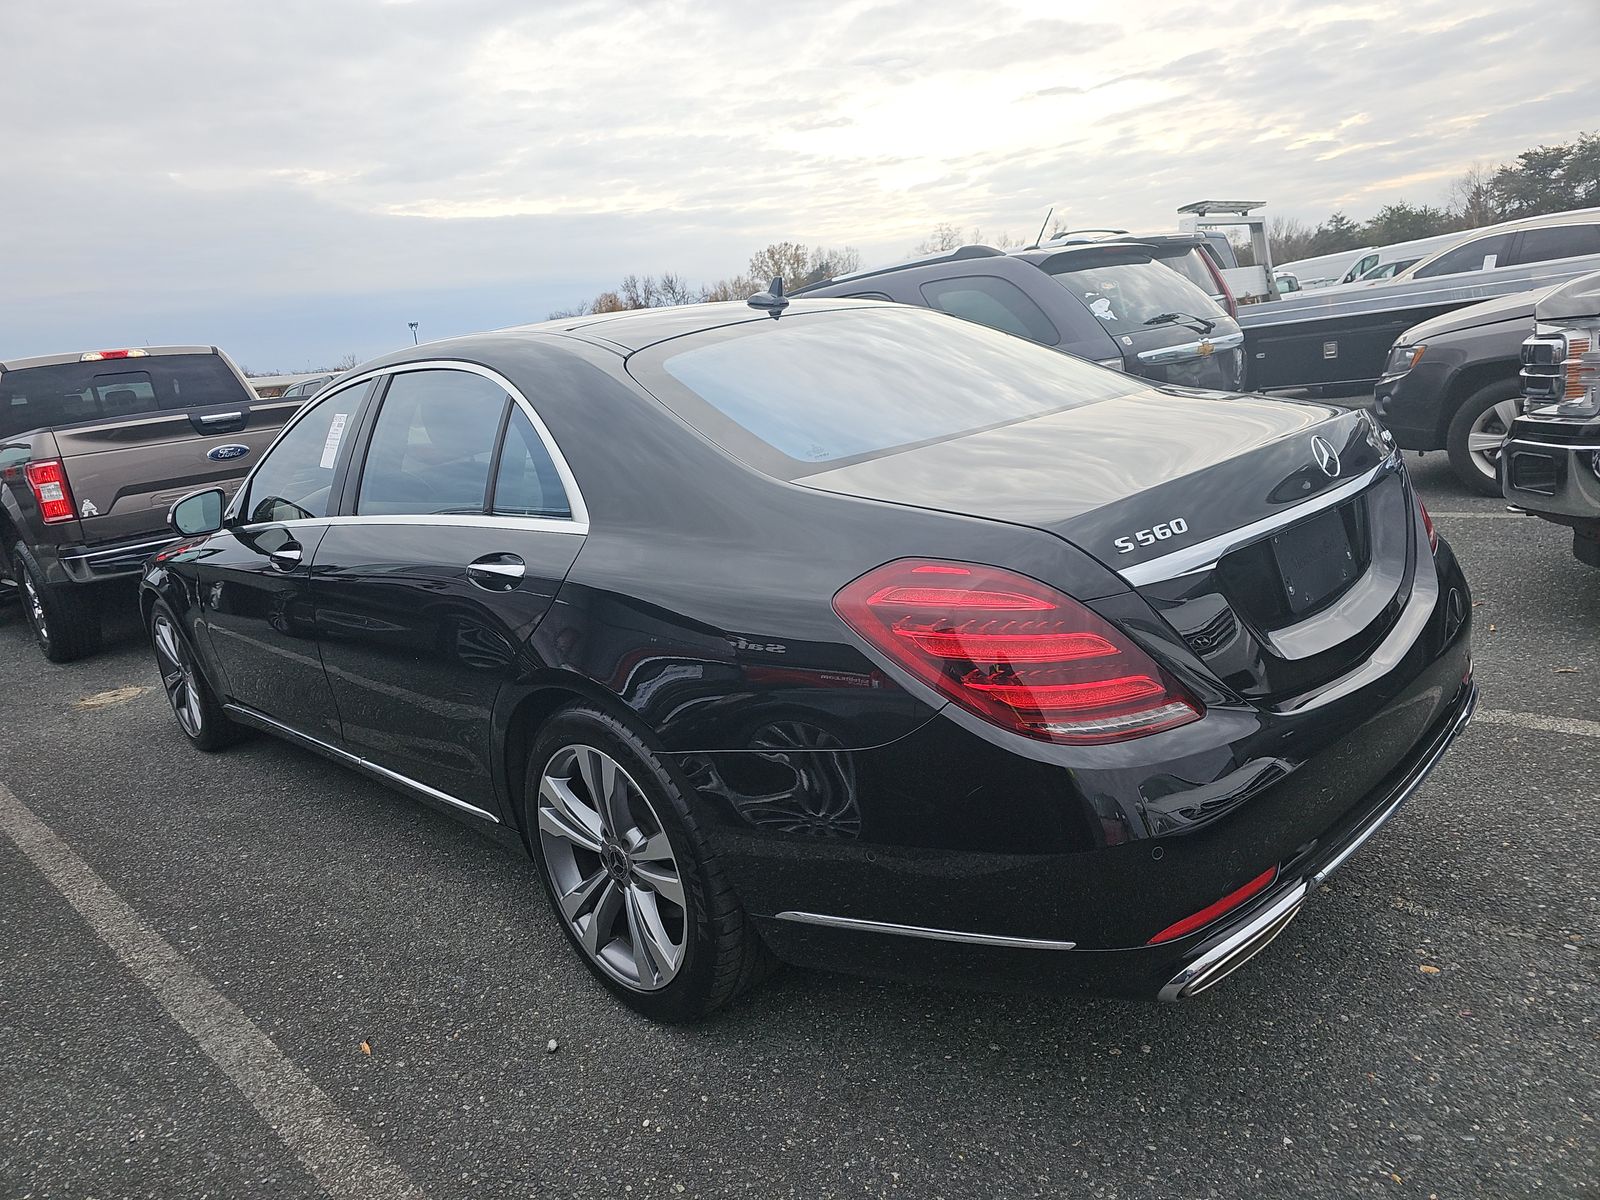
194	704
638	892
1473	439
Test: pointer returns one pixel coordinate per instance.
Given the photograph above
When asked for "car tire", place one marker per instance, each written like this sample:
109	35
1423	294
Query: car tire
199	713
64	618
1484	415
616	863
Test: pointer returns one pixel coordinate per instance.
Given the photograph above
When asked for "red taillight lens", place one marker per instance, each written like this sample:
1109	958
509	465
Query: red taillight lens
1014	651
1427	525
1211	912
48	479
102	355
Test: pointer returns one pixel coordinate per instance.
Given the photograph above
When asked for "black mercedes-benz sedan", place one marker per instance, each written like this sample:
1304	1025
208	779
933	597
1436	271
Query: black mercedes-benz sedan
857	636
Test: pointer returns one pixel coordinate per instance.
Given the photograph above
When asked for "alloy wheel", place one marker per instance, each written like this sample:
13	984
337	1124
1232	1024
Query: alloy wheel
35	609
611	866
177	676
1483	439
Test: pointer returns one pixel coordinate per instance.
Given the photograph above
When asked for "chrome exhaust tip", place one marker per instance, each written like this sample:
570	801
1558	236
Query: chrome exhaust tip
1236	949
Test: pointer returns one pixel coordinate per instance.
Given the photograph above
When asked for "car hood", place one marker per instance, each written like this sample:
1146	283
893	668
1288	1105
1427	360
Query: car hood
1517	306
1213	461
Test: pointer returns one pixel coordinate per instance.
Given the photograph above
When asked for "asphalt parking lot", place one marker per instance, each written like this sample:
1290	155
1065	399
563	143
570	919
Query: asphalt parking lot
258	974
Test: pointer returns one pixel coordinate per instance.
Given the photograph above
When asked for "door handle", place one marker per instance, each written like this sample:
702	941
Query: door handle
287	557
497	572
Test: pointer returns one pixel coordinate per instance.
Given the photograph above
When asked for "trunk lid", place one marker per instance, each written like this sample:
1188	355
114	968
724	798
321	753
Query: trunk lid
1275	538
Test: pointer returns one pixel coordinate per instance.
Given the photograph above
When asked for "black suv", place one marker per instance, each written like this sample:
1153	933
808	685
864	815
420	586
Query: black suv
1113	302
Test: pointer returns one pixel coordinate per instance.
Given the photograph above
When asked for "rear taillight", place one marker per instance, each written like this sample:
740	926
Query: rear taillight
48	479
1427	525
1014	651
1211	912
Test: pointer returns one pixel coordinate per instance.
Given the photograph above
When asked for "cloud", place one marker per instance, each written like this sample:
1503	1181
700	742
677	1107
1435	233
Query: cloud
238	167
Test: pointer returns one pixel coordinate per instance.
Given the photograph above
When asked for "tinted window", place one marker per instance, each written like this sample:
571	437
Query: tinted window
294	479
1558	241
787	395
526	484
432	444
1476	255
1123	293
992	302
1192	267
37	397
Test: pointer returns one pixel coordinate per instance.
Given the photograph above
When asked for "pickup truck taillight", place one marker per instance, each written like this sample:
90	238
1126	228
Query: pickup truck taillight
48	479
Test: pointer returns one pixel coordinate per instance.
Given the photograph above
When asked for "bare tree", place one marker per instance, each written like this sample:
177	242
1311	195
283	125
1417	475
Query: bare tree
1473	200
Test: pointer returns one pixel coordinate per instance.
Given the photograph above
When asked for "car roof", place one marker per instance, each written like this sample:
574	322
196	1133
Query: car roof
56	360
634	329
1034	255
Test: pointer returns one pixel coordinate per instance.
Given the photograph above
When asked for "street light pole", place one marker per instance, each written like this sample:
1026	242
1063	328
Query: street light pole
413	325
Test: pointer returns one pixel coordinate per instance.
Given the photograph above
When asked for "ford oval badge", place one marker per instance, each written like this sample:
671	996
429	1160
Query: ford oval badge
224	453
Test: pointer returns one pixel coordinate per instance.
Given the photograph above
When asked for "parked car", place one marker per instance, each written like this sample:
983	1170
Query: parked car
1338	339
306	388
1199	257
1451	384
1551	460
860	637
1112	302
94	448
1387	270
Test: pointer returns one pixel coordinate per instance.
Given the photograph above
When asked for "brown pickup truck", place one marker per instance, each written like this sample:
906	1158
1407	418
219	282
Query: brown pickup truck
94	449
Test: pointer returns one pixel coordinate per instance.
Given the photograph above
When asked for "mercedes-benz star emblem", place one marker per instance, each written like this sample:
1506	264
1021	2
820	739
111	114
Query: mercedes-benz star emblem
1327	456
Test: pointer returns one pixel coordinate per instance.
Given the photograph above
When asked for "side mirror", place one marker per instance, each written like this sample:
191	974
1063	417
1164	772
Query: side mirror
197	513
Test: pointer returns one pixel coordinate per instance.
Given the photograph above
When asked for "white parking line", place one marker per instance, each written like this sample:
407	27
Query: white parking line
1497	716
330	1146
1482	516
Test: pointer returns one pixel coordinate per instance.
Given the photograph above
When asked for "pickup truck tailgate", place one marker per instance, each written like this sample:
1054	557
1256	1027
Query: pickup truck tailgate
126	472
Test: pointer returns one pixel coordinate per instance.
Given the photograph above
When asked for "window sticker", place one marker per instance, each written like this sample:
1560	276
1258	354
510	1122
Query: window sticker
330	448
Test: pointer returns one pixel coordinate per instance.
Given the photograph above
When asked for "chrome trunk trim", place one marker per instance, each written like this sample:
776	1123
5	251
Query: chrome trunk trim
1205	554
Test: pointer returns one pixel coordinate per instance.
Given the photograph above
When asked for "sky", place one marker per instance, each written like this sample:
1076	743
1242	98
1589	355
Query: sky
295	181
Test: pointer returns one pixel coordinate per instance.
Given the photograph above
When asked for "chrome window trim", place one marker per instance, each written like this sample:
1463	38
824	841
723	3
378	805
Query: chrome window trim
355	760
1205	554
918	931
1225	341
577	523
457	520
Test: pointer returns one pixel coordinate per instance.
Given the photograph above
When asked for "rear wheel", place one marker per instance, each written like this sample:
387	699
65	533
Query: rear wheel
1473	439
199	713
64	618
638	892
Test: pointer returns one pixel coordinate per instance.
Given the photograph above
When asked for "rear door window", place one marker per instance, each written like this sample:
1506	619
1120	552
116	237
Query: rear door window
1480	254
994	302
526	483
433	445
1558	241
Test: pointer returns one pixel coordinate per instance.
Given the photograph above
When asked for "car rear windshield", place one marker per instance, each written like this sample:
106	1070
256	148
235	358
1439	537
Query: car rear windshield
69	393
1192	267
810	389
1126	292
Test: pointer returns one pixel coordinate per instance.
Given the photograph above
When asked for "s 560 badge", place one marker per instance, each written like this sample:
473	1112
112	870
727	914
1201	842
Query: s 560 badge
1149	537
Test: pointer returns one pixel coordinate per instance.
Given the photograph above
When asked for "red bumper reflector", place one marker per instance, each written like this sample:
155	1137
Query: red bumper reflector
1211	912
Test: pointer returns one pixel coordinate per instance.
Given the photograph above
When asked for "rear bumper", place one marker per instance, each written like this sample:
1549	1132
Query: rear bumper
90	564
1172	971
1247	935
